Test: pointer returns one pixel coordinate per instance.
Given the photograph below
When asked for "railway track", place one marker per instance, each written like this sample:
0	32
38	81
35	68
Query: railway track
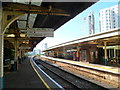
66	79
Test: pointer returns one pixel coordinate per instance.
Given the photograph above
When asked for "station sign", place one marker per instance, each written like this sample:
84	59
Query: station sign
24	47
40	35
39	32
71	50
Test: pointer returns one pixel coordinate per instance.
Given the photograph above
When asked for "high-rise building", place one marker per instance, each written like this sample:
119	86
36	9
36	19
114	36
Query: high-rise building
109	18
119	14
44	46
91	23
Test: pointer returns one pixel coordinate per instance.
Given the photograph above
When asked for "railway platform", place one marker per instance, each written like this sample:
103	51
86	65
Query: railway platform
24	78
28	77
110	69
107	74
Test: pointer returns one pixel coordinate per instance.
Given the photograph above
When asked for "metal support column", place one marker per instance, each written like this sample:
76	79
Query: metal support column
1	48
16	49
20	53
1	59
78	53
105	52
4	24
64	52
16	55
114	53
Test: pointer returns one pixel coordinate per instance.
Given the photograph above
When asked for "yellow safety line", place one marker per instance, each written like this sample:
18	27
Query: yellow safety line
104	68
88	65
96	66
41	77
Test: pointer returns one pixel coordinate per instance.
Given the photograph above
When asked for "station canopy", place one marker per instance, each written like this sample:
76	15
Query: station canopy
40	16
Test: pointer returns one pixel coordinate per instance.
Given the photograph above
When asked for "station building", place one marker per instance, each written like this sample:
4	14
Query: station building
101	48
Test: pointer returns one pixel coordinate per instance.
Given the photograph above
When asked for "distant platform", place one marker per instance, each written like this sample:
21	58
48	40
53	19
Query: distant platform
110	69
94	72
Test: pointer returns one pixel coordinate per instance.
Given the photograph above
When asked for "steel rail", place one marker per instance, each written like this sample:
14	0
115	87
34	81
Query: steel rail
47	66
57	74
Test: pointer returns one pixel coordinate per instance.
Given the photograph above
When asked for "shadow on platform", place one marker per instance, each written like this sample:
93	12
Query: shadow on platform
24	78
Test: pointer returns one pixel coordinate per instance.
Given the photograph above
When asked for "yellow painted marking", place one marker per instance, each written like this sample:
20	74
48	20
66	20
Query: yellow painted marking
40	77
97	67
89	65
104	68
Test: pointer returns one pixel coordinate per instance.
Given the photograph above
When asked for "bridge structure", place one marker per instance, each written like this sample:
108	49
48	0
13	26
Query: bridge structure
20	23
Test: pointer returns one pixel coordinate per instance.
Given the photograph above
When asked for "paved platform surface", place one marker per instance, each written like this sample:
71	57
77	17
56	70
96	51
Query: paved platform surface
110	69
24	78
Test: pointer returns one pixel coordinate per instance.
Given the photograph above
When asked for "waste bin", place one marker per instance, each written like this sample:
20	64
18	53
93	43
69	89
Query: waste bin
106	62
12	65
15	66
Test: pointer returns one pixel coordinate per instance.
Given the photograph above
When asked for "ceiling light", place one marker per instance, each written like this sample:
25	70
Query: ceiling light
22	35
10	35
